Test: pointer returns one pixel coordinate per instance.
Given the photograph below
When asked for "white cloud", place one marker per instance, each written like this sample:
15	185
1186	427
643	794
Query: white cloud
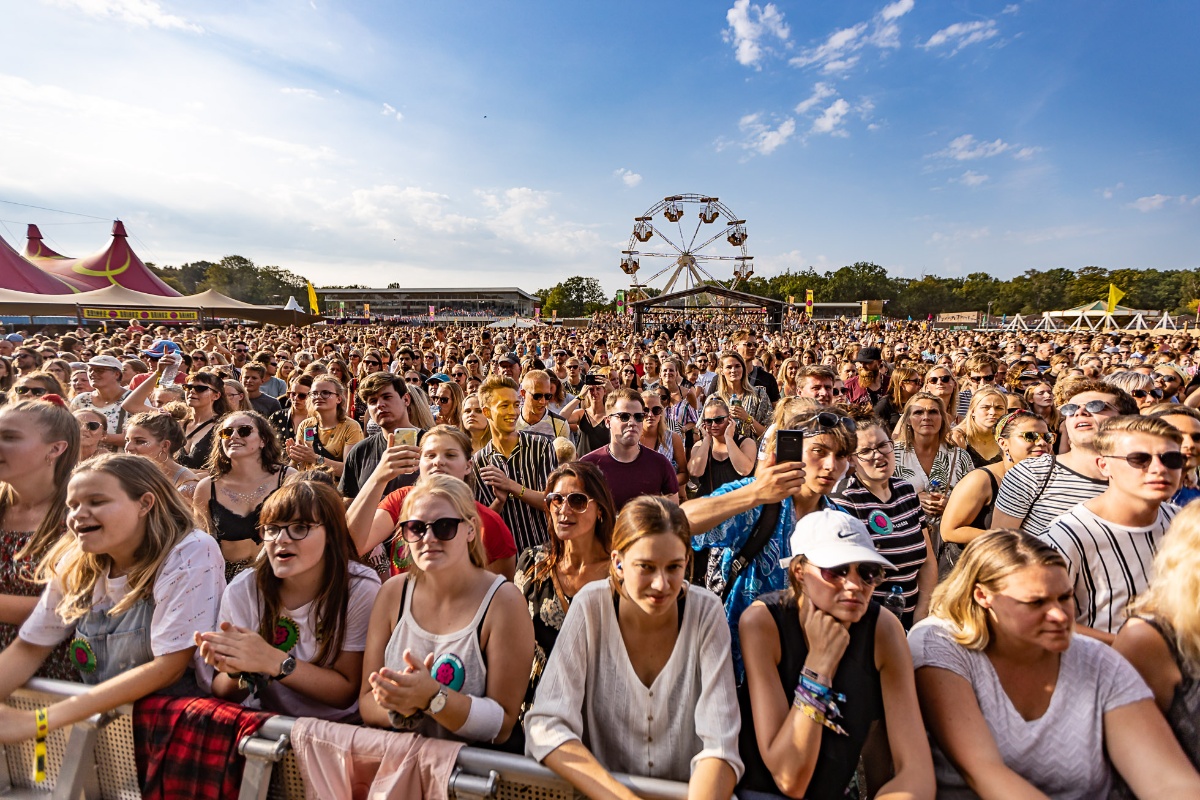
1026	153
960	235
966	148
841	50
1011	8
1108	191
896	10
295	91
141	13
628	176
1152	203
388	111
761	137
831	118
963	34
972	178
821	91
749	25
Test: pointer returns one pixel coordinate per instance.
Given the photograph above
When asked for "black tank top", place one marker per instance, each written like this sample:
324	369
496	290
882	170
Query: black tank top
983	520
231	527
718	472
856	677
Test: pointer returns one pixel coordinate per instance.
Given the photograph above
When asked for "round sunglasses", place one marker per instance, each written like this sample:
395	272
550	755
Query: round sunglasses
444	529
243	431
869	574
576	501
1091	408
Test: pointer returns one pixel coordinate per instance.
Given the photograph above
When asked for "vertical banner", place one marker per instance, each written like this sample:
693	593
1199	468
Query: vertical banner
620	302
431	312
808	302
537	312
366	309
554	314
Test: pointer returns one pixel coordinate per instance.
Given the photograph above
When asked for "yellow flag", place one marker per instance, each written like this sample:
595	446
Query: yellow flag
1114	297
312	299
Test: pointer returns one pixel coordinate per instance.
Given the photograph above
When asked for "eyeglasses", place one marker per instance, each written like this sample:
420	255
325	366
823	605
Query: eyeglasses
1090	408
625	416
883	449
444	529
36	391
1172	459
984	378
1140	394
715	420
541	396
829	420
576	501
92	426
936	379
322	394
870	574
198	387
297	531
243	431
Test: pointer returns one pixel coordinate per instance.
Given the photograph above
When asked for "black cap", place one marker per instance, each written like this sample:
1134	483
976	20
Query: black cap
868	354
509	358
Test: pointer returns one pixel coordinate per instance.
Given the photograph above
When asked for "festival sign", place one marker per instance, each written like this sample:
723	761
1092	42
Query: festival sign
958	318
149	315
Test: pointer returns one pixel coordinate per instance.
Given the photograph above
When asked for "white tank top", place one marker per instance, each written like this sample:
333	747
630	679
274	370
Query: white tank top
458	661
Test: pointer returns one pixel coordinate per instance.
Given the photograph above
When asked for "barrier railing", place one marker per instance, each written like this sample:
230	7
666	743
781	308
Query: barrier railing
94	760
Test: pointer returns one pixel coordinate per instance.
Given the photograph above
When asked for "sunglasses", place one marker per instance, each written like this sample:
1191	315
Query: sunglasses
715	420
458	374
1032	437
829	420
870	574
443	401
297	531
1158	376
36	391
198	387
370	362
541	396
625	416
243	431
92	426
942	379
1091	408
984	378
1173	459
837	392
576	501
1142	393
298	395
444	529
413	381
655	411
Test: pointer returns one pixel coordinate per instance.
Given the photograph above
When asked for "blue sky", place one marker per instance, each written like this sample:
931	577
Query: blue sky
489	143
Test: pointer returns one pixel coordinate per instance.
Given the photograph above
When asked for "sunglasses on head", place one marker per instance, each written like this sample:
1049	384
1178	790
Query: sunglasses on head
625	416
1091	408
828	420
1172	459
869	574
576	501
36	391
297	531
243	431
444	529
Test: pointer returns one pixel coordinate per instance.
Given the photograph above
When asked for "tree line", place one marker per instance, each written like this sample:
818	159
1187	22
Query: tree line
237	277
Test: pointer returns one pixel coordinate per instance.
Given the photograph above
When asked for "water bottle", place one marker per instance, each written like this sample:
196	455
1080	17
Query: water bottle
894	602
171	370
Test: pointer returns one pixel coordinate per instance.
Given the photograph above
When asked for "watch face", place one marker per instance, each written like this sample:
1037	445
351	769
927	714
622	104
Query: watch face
438	703
288	666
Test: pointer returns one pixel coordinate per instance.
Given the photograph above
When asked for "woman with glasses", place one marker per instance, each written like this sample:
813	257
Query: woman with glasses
941	383
722	455
925	457
749	406
892	513
968	515
91	431
905	382
235	395
448	397
639	680
242	472
473	364
823	666
156	435
450	645
36	385
977	434
1016	704
581	513
286	421
628	377
205	395
1142	388
323	438
292	630
658	436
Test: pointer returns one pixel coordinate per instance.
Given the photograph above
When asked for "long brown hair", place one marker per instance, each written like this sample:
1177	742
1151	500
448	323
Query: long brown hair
314	503
271	454
595	486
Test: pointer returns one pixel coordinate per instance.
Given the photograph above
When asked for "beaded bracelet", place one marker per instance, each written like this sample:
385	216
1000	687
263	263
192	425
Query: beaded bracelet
42	717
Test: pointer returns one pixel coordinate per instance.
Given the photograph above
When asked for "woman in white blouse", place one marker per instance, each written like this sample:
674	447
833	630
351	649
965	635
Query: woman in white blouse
640	680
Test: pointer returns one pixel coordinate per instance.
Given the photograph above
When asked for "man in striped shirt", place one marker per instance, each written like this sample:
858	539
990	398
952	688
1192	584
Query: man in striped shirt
1109	541
1037	490
511	470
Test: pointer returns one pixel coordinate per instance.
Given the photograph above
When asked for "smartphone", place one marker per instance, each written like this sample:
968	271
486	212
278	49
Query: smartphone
735	400
310	435
406	436
593	380
789	446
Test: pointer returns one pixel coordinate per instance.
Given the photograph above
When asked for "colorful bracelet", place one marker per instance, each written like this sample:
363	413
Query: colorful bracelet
42	716
816	716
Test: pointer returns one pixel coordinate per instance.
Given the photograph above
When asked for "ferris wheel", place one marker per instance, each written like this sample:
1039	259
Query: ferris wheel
690	235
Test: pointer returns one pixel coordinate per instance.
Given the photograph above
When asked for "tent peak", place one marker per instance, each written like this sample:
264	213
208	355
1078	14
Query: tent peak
118	228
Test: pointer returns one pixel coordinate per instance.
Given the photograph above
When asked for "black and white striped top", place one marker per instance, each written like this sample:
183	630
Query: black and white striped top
530	465
895	528
1019	492
1110	564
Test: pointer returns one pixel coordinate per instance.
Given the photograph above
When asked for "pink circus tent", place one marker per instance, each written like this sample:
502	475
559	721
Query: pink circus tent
116	265
20	275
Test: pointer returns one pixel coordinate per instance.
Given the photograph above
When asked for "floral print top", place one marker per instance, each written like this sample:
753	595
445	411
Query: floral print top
545	609
14	580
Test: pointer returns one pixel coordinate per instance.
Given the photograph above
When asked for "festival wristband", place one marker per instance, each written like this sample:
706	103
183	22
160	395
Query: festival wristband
42	716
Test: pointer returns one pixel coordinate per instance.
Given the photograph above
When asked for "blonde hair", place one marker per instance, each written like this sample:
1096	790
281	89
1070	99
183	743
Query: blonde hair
168	521
457	494
1174	594
649	516
987	561
418	408
974	431
564	450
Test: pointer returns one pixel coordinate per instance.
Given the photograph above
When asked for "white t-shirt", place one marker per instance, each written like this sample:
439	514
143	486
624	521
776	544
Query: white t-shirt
1109	564
187	594
241	606
1062	752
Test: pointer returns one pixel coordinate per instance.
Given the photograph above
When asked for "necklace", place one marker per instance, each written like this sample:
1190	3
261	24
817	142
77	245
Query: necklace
246	497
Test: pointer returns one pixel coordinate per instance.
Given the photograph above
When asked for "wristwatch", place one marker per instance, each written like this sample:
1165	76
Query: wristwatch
320	461
286	668
438	702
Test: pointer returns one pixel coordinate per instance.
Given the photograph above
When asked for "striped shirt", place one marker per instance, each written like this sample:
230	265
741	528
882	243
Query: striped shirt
895	528
1021	494
530	465
1110	564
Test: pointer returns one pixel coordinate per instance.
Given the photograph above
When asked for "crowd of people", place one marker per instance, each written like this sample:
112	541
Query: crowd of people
830	560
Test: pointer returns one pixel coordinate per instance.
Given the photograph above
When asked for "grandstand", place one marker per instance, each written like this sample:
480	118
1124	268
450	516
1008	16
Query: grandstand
462	304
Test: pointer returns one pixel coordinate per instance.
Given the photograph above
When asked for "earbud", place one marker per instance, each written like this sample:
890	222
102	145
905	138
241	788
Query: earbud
618	566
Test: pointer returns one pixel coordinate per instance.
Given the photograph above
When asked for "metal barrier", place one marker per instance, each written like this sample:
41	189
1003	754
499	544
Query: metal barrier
95	760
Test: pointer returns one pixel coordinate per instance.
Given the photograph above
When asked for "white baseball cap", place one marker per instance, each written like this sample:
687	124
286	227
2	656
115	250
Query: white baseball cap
829	538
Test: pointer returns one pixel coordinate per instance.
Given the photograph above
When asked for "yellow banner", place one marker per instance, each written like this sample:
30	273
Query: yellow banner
312	299
150	315
1114	297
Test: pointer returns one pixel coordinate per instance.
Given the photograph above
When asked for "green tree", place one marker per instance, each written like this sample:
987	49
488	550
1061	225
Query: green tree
575	297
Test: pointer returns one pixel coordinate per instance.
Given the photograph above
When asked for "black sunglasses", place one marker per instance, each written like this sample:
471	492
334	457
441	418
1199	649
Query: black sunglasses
444	529
625	416
984	378
942	379
243	431
828	420
654	411
297	531
1156	393
370	362
1092	407
36	391
198	387
92	426
870	574
540	396
576	501
1172	459
715	420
